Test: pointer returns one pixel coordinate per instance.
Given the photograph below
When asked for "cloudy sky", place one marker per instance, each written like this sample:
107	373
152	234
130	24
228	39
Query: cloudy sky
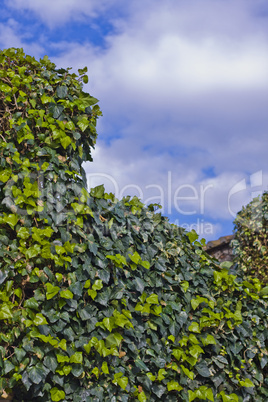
183	86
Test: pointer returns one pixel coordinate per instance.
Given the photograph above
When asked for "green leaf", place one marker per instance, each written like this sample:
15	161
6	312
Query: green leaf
135	257
66	141
5	175
87	284
51	291
77	357
62	344
139	363
62	91
59	277
62	358
97	192
226	264
37	373
5	88
20	354
56	110
87	347
209	340
51	363
142	397
113	339
228	398
5	312
246	383
152	299
86	100
97	285
195	351
82	71
192	236
145	264
264	291
177	353
56	394
39	320
96	372
83	123
187	372
33	251
109	323
8	366
194	327
174	386
202	393
105	368
92	293
85	79
66	294
203	369
31	303
185	285
23	233
12	220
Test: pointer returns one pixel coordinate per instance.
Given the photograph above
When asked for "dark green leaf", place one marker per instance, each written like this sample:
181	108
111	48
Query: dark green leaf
62	91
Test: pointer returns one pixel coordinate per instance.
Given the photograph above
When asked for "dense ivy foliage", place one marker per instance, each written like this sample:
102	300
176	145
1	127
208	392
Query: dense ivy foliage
101	299
251	238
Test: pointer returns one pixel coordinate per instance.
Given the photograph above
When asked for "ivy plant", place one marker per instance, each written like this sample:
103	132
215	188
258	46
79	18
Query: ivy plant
104	299
251	237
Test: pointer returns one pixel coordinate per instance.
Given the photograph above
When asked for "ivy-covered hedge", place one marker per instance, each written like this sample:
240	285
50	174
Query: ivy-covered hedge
101	299
251	238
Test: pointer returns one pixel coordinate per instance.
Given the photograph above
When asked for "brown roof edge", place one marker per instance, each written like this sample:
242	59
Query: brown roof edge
222	241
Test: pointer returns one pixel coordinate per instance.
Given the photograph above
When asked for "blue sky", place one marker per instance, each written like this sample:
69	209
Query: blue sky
183	86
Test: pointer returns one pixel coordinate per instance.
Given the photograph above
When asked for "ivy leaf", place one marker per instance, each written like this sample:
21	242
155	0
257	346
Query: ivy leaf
209	340
203	369
97	285
83	123
189	373
37	373
56	394
5	312
62	91
23	233
5	175
153	299
51	363
139	363
97	192
66	294
77	357
105	368
142	397
56	110
39	319
194	327
246	383
12	220
192	236
32	303
51	291
135	257
264	291
174	386
66	141
92	293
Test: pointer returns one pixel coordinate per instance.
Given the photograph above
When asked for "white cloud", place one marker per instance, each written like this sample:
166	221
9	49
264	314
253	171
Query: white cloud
55	13
8	36
11	36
